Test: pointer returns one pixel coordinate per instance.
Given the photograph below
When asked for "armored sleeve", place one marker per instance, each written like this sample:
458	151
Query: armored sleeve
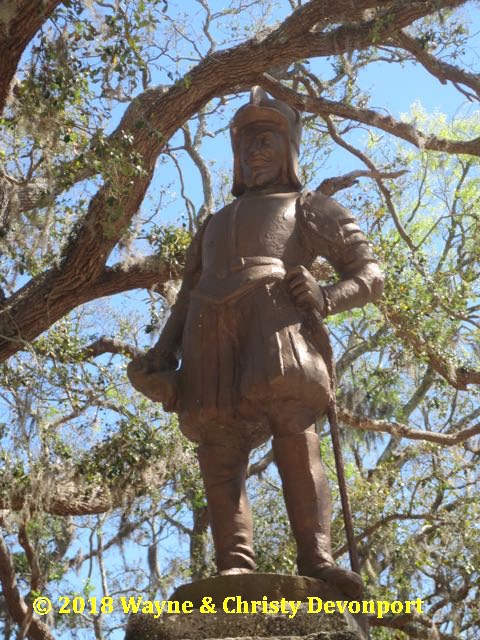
333	233
171	337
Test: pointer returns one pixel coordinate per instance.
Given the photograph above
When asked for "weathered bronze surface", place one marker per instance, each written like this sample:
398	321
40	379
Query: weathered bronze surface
247	331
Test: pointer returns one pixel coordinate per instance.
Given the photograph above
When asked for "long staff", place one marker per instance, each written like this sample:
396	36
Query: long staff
342	485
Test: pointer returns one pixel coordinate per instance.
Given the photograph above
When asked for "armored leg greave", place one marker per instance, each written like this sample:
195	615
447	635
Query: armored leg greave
224	471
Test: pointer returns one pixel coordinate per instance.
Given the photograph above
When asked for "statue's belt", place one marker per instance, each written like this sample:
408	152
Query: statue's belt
242	275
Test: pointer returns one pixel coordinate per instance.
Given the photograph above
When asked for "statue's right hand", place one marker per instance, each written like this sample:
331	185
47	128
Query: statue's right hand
155	360
154	375
305	290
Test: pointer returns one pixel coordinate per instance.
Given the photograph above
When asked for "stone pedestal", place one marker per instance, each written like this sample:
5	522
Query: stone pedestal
245	588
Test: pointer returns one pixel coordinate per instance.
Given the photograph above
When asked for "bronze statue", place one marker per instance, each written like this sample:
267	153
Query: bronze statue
247	332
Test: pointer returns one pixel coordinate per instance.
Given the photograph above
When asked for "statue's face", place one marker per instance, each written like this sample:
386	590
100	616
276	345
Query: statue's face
262	156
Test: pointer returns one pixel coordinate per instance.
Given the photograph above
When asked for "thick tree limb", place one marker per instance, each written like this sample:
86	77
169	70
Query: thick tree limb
357	350
329	186
16	604
325	107
15	197
35	577
192	149
51	294
403	431
368	531
87	485
19	22
95	349
144	273
308	17
110	345
63	493
457	376
402	517
443	71
261	465
416	627
19	197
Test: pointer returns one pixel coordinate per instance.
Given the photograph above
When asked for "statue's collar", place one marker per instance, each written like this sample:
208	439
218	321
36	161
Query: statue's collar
267	191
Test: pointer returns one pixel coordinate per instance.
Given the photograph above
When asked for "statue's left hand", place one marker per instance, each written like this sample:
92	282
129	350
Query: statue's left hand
305	290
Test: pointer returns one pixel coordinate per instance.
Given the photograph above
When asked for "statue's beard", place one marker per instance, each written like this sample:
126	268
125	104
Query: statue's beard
264	176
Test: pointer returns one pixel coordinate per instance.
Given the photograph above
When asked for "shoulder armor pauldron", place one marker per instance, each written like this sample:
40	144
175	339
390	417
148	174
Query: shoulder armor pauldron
315	218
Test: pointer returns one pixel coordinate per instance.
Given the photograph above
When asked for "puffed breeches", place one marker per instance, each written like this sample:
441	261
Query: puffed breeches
244	358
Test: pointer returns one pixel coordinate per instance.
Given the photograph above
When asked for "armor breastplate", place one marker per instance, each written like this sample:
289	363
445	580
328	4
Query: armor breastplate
248	242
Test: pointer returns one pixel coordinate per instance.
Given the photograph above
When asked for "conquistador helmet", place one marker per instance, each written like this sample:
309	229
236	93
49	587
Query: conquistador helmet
278	114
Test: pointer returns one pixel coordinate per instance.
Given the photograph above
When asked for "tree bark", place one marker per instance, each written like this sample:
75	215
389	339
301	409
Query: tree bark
19	22
16	604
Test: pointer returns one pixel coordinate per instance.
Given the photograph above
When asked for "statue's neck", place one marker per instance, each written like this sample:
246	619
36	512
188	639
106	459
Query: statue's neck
272	188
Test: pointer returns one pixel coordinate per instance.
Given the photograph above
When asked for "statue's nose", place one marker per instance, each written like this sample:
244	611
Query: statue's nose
256	146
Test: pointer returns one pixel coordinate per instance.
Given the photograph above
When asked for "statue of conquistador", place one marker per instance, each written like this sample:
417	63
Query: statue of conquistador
244	356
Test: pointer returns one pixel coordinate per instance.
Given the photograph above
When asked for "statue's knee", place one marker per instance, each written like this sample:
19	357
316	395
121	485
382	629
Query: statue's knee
221	465
290	420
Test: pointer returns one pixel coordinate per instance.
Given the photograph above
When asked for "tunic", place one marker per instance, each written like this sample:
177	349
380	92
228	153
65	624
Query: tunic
246	346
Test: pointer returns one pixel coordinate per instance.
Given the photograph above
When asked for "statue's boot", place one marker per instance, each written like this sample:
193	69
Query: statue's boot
308	502
224	471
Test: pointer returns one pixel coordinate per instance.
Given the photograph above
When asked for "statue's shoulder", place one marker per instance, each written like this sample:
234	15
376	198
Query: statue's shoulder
323	216
193	257
218	216
324	208
225	210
